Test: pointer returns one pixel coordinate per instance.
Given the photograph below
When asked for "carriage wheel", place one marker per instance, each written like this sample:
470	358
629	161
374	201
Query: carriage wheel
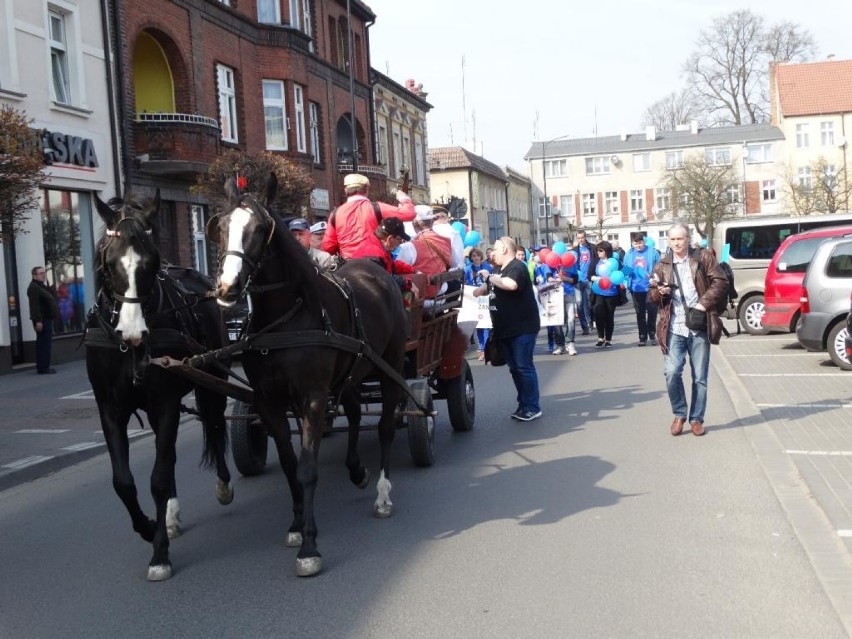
461	399
421	429
249	441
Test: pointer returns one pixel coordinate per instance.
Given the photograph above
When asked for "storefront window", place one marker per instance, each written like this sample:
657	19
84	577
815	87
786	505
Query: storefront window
60	220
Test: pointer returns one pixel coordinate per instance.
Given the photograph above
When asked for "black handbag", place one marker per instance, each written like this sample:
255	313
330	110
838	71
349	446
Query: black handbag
493	354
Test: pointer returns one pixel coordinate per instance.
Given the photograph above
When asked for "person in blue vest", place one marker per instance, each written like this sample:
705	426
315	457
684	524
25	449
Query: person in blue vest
639	263
586	253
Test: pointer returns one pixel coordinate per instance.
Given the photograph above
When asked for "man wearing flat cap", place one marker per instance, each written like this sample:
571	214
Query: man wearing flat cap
351	230
301	230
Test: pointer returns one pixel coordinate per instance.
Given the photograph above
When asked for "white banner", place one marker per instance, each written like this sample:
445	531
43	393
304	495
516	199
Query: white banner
549	298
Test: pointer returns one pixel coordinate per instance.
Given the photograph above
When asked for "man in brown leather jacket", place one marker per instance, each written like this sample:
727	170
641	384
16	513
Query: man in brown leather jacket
683	280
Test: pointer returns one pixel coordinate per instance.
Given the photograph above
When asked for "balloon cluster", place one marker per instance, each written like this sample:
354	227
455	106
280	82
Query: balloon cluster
470	238
558	255
610	275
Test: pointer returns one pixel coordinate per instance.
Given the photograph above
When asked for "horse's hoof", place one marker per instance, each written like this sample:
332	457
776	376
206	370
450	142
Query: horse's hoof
383	511
174	531
366	481
160	573
308	566
294	539
224	492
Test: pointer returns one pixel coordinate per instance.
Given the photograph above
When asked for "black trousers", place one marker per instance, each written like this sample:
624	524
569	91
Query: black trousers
44	341
646	315
605	306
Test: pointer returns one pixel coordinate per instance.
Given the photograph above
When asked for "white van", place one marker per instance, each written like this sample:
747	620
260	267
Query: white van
749	244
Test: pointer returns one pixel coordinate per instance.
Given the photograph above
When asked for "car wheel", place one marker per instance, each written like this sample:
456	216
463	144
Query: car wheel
751	315
836	344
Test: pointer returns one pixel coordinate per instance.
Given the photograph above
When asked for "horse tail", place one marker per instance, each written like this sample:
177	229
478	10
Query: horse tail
213	426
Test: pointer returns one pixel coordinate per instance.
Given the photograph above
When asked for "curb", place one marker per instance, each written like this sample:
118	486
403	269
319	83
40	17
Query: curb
825	550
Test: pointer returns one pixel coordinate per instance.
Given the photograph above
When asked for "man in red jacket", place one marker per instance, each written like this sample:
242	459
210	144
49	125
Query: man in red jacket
351	230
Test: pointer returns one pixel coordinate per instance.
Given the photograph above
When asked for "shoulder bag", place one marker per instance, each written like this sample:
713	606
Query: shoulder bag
696	319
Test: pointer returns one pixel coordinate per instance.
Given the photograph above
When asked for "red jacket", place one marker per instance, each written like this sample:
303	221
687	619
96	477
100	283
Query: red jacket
433	255
351	231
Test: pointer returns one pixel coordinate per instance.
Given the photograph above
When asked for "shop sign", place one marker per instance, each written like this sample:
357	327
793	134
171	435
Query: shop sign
62	148
319	199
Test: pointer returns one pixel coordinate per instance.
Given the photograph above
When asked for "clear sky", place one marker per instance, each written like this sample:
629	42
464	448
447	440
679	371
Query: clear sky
564	63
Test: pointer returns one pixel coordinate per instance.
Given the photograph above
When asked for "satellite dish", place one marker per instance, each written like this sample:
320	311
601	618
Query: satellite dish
640	217
745	152
655	210
661	214
840	142
615	160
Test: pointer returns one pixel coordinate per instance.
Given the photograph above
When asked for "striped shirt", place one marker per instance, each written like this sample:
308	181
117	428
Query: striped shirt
687	287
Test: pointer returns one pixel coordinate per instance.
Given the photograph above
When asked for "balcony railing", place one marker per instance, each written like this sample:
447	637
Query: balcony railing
365	169
187	118
175	142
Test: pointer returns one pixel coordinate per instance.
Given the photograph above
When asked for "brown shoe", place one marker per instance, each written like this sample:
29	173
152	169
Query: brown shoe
677	425
697	428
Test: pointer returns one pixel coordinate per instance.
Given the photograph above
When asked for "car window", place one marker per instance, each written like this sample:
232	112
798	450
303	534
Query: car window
840	262
798	255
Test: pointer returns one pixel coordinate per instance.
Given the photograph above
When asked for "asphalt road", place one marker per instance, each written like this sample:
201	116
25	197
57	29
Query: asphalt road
590	522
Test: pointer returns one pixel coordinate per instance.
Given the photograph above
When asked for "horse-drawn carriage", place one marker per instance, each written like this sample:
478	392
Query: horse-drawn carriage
317	340
435	369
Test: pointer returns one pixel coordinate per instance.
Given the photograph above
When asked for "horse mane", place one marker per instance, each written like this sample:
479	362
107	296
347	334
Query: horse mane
300	268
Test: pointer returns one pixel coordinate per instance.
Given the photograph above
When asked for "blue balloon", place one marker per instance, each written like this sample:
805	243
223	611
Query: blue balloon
613	264
603	269
472	238
703	242
459	227
559	248
617	278
649	242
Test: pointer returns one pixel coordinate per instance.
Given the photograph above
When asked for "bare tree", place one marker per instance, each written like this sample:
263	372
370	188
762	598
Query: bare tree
704	194
21	171
819	188
728	72
678	107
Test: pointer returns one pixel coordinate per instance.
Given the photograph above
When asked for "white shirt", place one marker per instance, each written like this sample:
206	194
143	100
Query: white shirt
687	287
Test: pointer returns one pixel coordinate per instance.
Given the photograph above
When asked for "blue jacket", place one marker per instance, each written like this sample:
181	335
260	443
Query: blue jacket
585	254
638	265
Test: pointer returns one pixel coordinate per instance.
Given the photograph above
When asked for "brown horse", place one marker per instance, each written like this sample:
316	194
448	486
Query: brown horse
300	319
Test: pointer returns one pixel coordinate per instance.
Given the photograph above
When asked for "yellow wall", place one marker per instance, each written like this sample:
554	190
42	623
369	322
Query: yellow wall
155	91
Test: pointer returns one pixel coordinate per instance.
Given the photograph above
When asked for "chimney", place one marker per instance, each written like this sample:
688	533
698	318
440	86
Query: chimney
624	136
650	133
693	127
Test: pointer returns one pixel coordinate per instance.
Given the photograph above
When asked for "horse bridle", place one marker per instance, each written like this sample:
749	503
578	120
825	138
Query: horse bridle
113	233
256	209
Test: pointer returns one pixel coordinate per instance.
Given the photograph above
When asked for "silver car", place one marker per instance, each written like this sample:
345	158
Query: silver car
825	300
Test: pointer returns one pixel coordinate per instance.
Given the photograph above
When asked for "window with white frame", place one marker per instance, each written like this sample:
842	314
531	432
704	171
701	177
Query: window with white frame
59	56
612	204
275	115
383	144
268	12
313	109
637	201
307	22
805	178
803	136
686	199
826	133
299	105
397	154
199	239
598	165
641	162
406	157
227	102
295	22
718	156
556	168
758	153
732	194
419	161
662	199
545	209
566	207
590	205
674	160
767	191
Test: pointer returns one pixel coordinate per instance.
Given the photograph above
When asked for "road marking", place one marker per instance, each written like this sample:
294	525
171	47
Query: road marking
89	394
37	431
844	533
83	446
27	461
137	433
793	374
821	453
780	355
804	406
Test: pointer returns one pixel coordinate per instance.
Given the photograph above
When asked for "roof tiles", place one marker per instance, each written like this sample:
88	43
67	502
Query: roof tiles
815	88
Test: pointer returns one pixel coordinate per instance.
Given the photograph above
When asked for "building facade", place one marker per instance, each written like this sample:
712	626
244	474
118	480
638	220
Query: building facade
458	173
402	139
54	67
518	202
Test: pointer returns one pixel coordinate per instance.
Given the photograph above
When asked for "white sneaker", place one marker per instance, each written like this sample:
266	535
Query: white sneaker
558	351
572	350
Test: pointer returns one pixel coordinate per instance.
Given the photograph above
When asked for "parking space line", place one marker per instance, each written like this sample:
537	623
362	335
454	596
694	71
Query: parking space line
761	356
792	374
821	453
844	533
39	431
804	406
27	461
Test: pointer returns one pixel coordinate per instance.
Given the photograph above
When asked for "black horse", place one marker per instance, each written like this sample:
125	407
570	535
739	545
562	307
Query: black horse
146	310
302	329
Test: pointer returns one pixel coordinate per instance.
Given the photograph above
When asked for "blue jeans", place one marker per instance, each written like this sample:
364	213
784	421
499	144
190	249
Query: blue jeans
482	336
518	352
697	346
584	308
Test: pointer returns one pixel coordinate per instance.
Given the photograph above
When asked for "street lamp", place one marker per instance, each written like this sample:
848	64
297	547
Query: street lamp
544	186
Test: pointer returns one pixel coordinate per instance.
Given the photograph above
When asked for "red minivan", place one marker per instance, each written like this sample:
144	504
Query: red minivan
783	283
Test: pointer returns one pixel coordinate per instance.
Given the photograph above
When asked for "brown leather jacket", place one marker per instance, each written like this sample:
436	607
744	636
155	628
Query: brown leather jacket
710	283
